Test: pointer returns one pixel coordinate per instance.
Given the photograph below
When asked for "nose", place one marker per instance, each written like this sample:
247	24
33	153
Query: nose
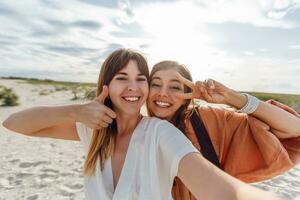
163	91
132	86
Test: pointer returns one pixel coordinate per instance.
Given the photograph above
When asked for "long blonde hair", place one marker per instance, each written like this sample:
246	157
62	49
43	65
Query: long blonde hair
102	143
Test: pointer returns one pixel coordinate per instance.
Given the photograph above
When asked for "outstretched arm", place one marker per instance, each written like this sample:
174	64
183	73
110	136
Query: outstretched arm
206	181
214	92
59	121
44	121
274	116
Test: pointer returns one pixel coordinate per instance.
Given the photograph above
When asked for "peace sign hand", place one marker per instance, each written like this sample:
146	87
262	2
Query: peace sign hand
210	90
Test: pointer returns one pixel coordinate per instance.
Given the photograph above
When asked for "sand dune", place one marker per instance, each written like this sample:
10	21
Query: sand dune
42	168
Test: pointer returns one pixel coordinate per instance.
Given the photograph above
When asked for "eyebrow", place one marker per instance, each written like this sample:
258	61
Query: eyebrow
175	80
156	77
172	80
125	74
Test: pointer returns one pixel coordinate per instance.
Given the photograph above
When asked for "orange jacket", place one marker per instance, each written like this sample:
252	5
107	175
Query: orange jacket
247	147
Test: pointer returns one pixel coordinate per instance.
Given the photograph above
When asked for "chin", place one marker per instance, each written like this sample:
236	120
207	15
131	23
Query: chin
160	115
133	112
129	111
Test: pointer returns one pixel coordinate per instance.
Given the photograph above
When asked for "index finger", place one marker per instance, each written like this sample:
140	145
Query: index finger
185	95
185	81
110	112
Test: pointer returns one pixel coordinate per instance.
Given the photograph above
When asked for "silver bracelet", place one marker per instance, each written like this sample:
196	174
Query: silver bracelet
251	105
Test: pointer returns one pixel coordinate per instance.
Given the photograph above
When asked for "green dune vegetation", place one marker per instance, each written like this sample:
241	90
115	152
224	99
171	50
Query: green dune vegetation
291	100
79	90
8	97
87	91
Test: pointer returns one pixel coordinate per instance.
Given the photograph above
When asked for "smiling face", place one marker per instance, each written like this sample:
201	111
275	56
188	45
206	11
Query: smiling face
125	72
162	100
128	89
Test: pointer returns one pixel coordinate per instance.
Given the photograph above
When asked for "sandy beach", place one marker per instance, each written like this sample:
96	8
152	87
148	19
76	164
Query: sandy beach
42	168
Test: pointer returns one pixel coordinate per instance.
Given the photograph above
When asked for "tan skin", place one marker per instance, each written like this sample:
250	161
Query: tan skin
209	182
214	92
60	121
126	84
164	88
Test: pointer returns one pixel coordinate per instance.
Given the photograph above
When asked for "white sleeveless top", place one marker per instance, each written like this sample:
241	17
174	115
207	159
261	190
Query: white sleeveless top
151	163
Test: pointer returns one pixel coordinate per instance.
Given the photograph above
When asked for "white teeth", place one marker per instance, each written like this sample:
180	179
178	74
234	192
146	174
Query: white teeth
162	104
131	98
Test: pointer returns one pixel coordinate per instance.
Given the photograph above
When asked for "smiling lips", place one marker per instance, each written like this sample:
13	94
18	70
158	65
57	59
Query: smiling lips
162	104
131	98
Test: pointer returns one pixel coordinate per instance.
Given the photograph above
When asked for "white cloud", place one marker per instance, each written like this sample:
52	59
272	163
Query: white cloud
33	16
263	50
294	46
296	61
257	13
262	75
72	37
249	53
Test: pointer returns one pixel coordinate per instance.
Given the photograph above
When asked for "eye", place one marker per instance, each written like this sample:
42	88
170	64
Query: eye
155	85
121	78
175	88
141	79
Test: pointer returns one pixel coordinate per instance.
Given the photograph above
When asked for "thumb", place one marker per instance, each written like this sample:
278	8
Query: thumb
103	94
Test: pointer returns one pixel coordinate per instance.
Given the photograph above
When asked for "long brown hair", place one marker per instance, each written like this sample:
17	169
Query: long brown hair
102	143
178	118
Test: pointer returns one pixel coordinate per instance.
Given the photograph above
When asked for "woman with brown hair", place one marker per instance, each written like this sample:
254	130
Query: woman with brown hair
256	141
129	156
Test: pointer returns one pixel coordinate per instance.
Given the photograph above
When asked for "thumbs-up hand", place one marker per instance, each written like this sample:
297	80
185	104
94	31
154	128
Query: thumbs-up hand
95	114
103	95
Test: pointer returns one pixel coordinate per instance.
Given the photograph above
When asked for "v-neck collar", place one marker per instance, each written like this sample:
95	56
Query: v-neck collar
125	180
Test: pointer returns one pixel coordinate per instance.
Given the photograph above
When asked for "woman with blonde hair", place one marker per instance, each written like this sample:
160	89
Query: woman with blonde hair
130	156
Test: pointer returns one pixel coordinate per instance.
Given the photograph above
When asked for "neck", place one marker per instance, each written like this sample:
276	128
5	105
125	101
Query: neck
127	123
169	118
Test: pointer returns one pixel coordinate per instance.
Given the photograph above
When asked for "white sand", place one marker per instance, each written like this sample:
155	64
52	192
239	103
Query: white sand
41	168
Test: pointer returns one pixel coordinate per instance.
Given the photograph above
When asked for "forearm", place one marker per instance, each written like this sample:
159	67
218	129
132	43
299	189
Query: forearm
247	192
206	181
275	117
201	178
37	118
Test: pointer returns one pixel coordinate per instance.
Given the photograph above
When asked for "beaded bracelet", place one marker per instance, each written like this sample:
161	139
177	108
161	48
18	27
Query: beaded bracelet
251	105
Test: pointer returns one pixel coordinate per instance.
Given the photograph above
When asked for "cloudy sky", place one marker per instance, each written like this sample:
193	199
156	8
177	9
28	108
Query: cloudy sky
247	45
